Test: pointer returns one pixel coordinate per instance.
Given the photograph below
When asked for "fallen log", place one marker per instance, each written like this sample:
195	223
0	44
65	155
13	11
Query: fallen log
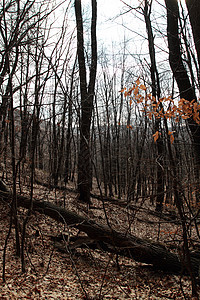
166	215
57	187
141	250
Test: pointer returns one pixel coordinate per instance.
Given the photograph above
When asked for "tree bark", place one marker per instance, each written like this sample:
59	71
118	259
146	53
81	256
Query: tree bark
87	95
155	82
187	91
193	7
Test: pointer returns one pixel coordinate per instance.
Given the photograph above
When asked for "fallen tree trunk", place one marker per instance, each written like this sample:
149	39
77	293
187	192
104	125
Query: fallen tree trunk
141	250
167	216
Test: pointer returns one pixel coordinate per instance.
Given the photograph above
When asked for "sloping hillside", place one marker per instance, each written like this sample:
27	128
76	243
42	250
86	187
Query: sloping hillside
57	269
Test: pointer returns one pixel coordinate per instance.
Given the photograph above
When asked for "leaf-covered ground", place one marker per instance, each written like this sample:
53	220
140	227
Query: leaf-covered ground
84	273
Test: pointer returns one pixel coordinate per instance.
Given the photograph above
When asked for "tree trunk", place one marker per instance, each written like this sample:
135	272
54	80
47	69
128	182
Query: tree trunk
87	95
155	82
130	246
187	91
193	7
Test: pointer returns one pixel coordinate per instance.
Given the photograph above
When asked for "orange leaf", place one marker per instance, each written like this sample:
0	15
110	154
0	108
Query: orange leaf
129	92
150	115
122	90
136	91
156	136
137	81
171	138
184	117
143	87
129	126
177	119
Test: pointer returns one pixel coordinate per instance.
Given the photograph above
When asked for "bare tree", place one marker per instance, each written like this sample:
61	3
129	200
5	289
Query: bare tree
87	95
193	7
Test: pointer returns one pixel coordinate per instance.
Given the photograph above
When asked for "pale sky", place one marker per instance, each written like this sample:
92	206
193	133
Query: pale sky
108	27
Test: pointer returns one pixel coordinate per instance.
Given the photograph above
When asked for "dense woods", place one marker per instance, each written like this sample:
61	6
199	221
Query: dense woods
101	140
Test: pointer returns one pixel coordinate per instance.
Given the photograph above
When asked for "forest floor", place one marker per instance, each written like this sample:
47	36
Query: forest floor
83	273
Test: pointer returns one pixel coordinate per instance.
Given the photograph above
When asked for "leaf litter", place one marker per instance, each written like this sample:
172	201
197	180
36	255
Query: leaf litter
84	273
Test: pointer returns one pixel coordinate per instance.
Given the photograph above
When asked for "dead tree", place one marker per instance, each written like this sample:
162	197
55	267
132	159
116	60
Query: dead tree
141	250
